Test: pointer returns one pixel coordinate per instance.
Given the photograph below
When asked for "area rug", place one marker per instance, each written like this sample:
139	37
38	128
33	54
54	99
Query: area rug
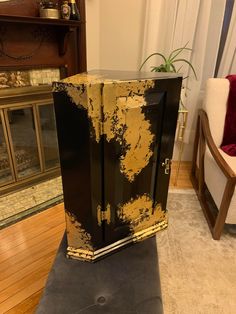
21	204
198	274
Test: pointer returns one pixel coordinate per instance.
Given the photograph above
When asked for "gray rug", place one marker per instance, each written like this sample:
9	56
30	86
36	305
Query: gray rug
198	274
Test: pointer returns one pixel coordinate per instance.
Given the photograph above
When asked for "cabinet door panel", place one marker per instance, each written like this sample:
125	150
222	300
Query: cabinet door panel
6	168
131	153
171	88
80	158
23	136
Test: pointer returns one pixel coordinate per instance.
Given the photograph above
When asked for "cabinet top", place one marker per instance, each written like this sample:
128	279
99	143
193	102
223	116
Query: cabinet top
109	76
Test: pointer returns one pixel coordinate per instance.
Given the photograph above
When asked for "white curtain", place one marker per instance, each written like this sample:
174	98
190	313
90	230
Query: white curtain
170	24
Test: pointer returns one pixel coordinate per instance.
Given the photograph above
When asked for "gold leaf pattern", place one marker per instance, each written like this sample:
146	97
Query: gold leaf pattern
78	95
77	237
139	213
124	121
83	78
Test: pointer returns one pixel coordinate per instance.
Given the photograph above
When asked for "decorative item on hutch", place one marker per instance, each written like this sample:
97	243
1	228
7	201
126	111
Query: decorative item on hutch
49	9
65	10
116	134
74	12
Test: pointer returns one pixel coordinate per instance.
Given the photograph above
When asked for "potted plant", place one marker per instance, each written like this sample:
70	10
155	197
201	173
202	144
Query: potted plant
169	63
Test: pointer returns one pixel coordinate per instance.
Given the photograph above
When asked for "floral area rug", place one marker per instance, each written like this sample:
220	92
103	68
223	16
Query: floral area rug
21	204
198	274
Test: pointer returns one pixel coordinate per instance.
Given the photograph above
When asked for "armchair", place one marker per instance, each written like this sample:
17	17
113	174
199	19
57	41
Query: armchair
213	171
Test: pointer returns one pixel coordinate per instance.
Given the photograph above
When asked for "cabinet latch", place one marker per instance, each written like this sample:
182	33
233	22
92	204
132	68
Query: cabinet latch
104	215
166	164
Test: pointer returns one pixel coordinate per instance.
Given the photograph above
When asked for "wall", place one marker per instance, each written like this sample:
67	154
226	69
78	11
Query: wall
93	33
121	34
115	33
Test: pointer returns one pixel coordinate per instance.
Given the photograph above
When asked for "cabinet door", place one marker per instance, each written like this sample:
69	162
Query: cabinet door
171	88
6	166
80	158
133	125
113	139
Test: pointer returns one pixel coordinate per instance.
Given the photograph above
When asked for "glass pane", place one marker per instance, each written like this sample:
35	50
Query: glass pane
49	136
24	141
5	172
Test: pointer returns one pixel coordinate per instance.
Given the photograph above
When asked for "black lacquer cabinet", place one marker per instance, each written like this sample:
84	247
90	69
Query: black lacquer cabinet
116	134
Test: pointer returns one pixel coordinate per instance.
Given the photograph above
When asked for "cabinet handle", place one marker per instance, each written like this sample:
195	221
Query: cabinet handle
166	164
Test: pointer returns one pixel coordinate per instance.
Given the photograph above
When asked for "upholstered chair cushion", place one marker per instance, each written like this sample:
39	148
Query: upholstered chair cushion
229	138
215	105
216	181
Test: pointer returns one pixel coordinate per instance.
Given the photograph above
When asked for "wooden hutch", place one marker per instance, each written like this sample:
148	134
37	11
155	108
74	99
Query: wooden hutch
28	42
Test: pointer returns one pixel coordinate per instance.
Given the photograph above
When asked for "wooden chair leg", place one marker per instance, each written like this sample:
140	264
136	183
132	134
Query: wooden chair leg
195	150
223	210
202	149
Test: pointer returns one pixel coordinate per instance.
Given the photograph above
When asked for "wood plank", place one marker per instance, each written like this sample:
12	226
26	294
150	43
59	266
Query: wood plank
183	181
29	244
47	235
14	289
22	295
26	281
28	269
38	20
13	265
6	250
30	222
28	305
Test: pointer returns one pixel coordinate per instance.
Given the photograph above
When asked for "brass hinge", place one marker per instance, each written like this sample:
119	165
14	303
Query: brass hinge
166	164
104	215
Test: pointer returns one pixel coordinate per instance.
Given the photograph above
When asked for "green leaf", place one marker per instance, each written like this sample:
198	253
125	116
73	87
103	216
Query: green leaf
179	68
173	67
176	52
186	61
168	66
181	49
162	68
155	69
153	54
173	58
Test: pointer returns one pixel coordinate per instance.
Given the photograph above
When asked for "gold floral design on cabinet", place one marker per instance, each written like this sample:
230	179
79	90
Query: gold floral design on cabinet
76	235
140	214
116	115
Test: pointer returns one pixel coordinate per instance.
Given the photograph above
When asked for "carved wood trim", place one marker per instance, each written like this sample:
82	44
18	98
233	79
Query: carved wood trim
228	172
203	136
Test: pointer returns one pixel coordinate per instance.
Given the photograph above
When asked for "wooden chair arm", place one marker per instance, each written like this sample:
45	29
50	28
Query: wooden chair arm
228	172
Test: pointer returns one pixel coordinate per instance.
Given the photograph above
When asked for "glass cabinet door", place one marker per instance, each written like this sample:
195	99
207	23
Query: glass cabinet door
28	142
23	139
5	165
49	136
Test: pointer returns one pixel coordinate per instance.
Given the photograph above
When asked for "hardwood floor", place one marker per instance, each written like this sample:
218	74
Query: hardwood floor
183	181
27	251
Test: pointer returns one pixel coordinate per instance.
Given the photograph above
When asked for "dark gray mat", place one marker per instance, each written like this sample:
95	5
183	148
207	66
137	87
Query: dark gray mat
126	282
